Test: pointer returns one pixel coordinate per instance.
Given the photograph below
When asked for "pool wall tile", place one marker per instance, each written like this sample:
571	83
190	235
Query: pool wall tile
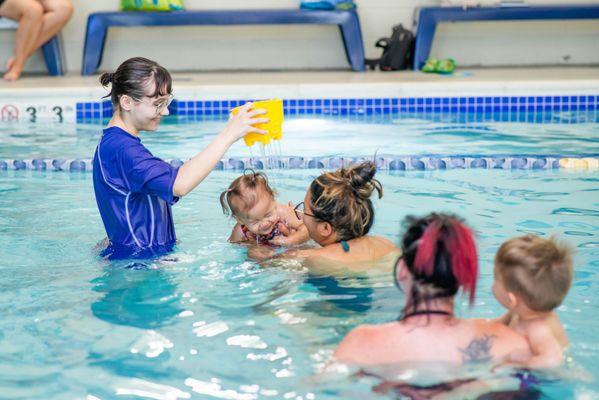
90	112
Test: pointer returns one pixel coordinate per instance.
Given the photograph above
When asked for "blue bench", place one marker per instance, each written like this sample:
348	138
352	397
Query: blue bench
98	24
51	50
429	17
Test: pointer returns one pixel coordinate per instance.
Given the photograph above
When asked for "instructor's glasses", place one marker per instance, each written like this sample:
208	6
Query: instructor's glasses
161	105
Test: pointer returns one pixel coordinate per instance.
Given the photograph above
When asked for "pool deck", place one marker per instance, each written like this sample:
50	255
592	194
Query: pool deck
332	84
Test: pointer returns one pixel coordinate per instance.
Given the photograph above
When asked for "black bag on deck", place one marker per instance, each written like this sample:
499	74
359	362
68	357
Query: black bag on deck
398	51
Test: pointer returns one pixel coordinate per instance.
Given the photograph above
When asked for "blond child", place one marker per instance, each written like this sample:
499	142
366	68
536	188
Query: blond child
532	277
260	219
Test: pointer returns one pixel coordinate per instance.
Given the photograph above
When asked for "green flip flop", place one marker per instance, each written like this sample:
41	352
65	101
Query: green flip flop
446	66
430	66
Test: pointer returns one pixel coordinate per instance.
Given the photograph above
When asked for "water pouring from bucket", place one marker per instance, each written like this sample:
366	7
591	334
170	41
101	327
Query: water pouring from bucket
270	148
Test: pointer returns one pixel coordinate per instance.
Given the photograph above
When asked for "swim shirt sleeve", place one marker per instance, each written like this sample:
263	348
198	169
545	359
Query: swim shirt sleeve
148	174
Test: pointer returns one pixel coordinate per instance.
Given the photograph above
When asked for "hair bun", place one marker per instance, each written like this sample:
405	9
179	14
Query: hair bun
361	179
106	78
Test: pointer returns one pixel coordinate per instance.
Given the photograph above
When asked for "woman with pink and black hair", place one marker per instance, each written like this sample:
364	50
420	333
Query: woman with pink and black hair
438	259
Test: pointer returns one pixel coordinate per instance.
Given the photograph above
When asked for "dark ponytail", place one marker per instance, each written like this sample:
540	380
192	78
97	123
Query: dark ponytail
440	252
131	78
106	78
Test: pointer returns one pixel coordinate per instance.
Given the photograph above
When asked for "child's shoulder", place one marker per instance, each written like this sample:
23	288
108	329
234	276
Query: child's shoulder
238	234
548	328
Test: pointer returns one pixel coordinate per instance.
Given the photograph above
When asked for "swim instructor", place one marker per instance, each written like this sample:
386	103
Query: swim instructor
134	189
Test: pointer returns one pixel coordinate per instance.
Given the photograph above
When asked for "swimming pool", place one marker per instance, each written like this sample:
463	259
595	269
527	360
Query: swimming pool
207	323
564	133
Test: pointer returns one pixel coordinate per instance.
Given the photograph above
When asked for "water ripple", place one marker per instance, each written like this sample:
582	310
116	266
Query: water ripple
575	211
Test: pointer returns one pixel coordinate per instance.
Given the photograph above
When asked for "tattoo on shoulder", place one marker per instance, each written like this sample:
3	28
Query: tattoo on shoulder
478	350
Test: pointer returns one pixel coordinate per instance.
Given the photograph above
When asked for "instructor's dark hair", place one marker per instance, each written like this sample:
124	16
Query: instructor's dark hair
132	77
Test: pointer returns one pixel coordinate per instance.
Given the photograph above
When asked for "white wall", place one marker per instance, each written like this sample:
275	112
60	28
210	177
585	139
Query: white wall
294	47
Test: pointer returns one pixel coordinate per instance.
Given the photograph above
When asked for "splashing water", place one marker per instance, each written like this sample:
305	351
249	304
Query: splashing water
269	156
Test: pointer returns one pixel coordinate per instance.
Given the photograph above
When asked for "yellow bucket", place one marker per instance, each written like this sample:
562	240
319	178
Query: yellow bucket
274	112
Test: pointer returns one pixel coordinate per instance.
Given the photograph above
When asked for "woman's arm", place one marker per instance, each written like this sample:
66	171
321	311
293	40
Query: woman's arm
195	170
263	253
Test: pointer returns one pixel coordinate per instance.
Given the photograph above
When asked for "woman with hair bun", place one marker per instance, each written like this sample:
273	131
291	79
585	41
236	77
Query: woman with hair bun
338	214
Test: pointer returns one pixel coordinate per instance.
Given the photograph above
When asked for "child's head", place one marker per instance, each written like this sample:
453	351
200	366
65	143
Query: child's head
338	206
142	89
251	201
438	258
535	271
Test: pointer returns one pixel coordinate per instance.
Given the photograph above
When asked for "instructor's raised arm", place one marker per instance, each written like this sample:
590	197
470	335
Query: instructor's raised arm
196	169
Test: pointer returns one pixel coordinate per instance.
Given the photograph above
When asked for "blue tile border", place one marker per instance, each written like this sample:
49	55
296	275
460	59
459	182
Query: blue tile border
386	163
483	105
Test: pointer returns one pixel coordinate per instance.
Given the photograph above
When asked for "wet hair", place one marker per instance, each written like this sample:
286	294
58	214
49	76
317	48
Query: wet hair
536	269
245	189
342	198
440	253
132	77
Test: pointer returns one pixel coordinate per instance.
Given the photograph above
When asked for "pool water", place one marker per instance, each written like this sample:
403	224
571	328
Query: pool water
561	133
207	323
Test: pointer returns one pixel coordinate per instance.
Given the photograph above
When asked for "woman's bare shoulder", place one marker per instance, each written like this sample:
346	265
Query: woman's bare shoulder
361	344
497	331
383	246
383	241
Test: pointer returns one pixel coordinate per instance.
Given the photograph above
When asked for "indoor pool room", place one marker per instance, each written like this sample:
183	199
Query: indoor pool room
299	199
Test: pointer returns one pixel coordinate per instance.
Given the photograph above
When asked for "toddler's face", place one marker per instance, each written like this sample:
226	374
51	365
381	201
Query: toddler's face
262	218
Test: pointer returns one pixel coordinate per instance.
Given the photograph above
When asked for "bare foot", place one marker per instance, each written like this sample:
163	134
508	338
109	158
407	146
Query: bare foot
13	74
10	63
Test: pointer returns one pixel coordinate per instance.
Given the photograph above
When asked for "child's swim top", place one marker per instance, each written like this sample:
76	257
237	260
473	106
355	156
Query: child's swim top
261	239
134	192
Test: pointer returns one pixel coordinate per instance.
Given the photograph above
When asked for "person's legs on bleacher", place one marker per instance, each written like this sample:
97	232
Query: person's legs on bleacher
56	15
29	15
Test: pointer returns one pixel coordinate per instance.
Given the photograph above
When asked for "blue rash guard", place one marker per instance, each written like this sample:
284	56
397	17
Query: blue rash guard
134	192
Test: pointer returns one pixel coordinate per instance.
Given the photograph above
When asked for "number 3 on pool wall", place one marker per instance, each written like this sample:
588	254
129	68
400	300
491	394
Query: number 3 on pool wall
58	111
32	114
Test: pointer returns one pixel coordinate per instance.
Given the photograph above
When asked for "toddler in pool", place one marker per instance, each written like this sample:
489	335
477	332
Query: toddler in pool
260	219
532	277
